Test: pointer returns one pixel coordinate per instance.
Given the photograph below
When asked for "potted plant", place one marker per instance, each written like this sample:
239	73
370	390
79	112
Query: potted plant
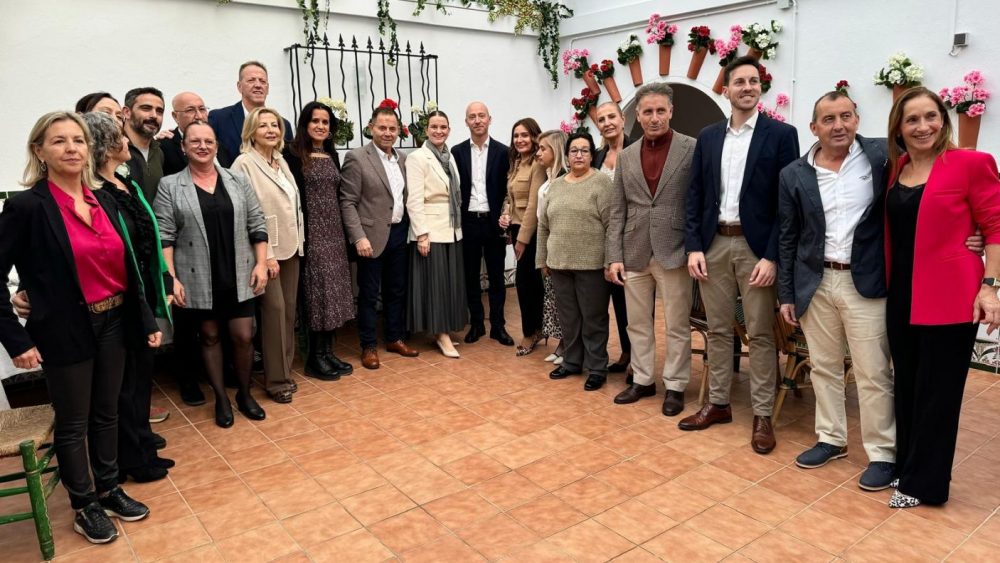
969	100
700	43
418	127
628	54
345	127
765	79
575	61
899	75
842	87
574	125
760	39
660	32
727	51
404	132
586	105
605	72
781	101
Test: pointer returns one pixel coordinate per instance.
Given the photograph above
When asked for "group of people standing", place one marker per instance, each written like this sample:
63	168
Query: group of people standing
123	225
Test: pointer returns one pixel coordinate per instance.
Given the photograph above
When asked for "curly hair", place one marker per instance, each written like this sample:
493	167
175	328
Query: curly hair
106	135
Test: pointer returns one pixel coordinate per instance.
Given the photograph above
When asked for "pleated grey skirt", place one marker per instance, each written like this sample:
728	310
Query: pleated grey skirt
437	302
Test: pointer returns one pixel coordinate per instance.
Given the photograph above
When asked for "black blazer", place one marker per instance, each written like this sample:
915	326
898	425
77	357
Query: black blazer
33	238
602	153
773	146
174	159
497	165
802	231
228	125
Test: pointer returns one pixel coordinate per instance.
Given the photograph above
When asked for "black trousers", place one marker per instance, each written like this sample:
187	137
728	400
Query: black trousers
582	300
388	273
621	316
530	288
930	364
482	239
85	398
136	447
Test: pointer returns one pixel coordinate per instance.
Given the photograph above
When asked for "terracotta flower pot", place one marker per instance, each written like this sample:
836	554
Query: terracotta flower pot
755	53
592	112
717	87
664	60
636	69
591	81
697	59
968	131
898	90
612	87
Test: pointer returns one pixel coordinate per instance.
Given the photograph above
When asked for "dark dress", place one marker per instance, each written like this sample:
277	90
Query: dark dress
930	366
329	297
217	215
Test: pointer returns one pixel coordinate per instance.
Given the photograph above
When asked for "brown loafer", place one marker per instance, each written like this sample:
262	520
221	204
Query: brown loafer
707	416
673	403
763	435
634	392
369	358
402	349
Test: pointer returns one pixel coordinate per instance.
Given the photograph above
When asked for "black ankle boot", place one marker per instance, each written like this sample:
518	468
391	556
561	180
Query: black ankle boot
248	406
318	365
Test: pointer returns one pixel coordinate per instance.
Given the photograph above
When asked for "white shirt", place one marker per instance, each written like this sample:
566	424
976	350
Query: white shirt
478	201
735	149
846	195
396	183
542	191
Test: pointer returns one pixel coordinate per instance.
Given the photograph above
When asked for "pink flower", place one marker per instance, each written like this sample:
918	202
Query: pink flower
974	78
782	100
976	109
945	94
671	29
980	94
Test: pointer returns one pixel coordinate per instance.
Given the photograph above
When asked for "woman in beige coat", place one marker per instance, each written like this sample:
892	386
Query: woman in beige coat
436	301
261	163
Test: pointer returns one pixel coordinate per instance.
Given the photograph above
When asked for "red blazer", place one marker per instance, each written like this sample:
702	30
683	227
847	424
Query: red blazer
962	191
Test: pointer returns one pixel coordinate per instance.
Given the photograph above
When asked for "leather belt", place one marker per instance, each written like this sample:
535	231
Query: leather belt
107	304
478	214
836	265
730	230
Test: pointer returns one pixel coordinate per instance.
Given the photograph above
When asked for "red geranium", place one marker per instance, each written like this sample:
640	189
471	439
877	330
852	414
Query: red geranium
700	36
388	103
765	79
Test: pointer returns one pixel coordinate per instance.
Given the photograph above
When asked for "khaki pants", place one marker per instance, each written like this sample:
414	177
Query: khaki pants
675	289
837	317
278	325
730	263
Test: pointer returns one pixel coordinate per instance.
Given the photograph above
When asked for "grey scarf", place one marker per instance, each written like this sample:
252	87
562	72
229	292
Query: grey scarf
454	191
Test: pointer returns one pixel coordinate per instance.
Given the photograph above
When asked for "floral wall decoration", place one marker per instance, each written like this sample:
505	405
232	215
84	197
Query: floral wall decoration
345	127
760	39
842	87
700	43
899	74
662	33
418	127
605	72
781	101
969	101
727	51
628	54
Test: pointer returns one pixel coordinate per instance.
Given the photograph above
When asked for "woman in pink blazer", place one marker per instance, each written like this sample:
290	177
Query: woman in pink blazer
938	290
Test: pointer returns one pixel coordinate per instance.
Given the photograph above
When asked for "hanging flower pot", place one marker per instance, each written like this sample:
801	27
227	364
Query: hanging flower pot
717	87
755	53
612	87
592	112
635	68
591	81
664	60
898	90
968	130
697	59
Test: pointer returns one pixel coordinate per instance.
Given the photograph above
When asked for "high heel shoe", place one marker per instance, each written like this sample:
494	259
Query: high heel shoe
525	350
248	406
223	413
447	353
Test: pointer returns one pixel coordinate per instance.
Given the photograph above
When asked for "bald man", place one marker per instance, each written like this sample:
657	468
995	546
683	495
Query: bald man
187	107
482	168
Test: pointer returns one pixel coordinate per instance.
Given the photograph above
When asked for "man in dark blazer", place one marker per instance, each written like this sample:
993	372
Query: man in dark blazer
186	107
482	168
228	121
373	204
732	243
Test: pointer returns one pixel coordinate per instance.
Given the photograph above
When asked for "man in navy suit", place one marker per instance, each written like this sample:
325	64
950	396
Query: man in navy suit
228	121
482	169
732	244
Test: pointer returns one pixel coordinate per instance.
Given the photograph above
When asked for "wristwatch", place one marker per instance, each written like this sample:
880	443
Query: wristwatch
992	282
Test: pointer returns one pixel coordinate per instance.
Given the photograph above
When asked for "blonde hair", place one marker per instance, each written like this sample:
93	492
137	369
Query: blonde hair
618	108
556	141
33	171
253	121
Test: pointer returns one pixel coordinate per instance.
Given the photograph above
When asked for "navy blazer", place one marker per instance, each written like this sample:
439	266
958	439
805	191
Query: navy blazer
497	165
228	125
802	232
773	146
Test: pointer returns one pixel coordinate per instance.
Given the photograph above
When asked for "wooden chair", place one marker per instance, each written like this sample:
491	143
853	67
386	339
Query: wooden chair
791	341
23	432
699	324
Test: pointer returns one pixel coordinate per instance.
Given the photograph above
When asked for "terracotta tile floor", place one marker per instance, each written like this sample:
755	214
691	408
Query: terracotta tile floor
431	459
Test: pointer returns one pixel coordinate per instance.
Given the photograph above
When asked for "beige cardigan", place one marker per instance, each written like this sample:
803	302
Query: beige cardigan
522	193
282	210
427	198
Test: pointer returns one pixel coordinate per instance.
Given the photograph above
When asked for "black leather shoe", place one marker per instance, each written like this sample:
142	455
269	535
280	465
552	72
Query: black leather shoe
248	406
673	403
116	503
562	373
142	474
500	335
93	524
191	394
223	413
634	392
340	367
163	462
594	382
318	367
475	333
159	441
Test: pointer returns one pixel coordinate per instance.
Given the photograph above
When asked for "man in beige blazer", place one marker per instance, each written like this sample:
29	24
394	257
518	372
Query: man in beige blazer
646	247
373	204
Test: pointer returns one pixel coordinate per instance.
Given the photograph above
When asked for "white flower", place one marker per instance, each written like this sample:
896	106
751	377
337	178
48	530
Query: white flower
897	59
416	109
770	53
775	26
431	105
342	114
895	77
914	73
763	39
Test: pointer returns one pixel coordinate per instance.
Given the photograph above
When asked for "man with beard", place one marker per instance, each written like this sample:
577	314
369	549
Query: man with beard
732	244
253	87
187	107
143	114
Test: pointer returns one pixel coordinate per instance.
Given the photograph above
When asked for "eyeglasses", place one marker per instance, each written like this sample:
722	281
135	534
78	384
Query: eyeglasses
195	110
579	152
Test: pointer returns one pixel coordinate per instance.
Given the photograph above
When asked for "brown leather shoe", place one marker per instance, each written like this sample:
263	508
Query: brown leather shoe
763	435
634	392
369	358
707	416
673	403
402	349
